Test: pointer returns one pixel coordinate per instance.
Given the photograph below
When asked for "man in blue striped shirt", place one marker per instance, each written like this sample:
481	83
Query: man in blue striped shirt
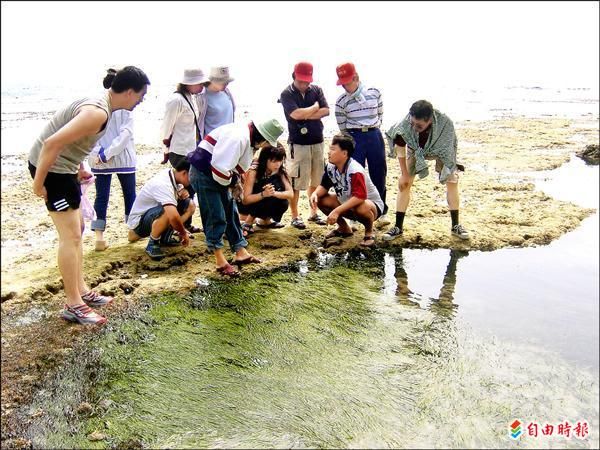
359	112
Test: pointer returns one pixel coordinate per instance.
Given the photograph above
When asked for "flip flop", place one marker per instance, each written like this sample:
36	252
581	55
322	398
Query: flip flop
247	229
249	260
317	219
367	239
337	233
228	270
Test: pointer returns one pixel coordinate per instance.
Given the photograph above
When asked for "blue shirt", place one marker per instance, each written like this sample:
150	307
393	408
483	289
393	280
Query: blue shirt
291	99
219	110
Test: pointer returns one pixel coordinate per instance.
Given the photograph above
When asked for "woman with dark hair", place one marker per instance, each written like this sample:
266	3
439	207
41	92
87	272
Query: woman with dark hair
183	121
114	153
56	166
267	190
183	124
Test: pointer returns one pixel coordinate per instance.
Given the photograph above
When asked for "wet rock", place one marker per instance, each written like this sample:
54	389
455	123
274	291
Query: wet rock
306	234
96	436
332	241
130	444
53	288
105	404
38	413
126	288
9	296
20	443
84	409
590	154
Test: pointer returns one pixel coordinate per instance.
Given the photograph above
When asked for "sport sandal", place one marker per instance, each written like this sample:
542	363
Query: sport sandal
82	314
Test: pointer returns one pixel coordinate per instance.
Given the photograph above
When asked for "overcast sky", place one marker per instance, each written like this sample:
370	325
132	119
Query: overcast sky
461	43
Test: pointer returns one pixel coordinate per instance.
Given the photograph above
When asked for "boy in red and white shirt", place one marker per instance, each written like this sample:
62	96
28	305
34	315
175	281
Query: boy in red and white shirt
355	198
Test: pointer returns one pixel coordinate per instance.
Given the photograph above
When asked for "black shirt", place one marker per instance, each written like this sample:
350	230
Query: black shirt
291	99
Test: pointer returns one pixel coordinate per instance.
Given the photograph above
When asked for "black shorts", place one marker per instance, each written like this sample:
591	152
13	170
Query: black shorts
63	189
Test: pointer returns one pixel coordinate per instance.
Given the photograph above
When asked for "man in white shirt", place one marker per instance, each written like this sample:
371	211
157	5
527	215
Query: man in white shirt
155	211
223	156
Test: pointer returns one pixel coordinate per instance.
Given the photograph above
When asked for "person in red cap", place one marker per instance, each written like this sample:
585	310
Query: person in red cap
304	105
359	111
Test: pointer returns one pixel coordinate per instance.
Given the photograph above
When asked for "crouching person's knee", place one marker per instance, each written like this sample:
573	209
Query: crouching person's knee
132	236
191	207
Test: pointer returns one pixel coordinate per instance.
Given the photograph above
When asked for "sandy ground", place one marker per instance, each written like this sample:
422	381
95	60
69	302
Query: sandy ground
499	206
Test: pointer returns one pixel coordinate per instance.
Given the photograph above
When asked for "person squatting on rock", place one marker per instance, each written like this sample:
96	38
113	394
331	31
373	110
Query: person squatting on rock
161	208
55	163
355	198
425	134
218	162
267	190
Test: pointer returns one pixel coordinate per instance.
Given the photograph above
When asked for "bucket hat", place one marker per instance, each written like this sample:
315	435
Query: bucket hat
270	130
220	74
193	76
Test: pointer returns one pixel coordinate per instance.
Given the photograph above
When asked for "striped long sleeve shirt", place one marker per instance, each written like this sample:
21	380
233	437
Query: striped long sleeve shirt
363	108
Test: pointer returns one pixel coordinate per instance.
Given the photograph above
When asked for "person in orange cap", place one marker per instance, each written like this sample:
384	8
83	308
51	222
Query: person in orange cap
304	106
359	111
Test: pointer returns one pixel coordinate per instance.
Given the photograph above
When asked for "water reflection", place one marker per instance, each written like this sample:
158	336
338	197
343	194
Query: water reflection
396	282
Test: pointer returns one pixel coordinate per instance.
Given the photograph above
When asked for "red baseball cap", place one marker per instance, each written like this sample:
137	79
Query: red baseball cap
303	72
345	72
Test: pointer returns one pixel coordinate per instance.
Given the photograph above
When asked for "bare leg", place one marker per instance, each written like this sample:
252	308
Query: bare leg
83	287
294	204
452	196
70	260
220	257
328	203
403	198
313	211
365	214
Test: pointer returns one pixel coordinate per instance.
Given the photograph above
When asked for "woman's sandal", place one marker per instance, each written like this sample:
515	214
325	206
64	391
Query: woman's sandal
368	241
228	270
247	229
249	260
337	233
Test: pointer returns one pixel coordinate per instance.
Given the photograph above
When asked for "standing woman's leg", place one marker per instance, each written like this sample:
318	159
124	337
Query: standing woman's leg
127	181
70	255
101	205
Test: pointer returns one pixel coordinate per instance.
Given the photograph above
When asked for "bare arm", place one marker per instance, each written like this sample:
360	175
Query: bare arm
175	219
249	197
288	194
319	192
304	113
86	123
322	112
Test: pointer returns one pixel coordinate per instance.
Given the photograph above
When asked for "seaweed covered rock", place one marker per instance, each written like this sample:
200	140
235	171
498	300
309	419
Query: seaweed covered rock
590	154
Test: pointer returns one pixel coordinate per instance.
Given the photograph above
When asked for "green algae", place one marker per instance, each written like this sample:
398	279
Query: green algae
301	358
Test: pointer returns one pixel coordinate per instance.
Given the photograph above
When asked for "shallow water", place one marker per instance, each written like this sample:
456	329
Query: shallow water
337	352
